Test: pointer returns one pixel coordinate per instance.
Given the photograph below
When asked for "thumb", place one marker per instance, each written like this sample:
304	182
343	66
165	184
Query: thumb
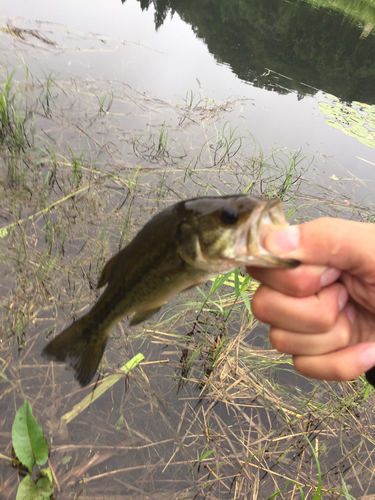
346	245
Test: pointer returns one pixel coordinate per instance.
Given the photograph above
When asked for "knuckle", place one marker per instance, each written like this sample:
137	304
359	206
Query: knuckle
339	372
325	318
343	337
259	306
279	341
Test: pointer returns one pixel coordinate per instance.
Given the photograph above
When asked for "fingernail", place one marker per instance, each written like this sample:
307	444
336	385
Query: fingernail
368	357
283	240
330	275
350	312
342	298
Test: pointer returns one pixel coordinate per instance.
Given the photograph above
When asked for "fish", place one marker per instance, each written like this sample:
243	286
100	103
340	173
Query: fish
179	248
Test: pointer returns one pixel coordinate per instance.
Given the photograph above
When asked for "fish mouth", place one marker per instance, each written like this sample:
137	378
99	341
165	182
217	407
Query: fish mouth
268	217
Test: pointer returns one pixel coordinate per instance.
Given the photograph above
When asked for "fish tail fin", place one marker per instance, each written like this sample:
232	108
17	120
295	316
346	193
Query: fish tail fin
81	349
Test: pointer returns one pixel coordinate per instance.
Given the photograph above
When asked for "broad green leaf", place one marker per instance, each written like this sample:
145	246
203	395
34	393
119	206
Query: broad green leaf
368	107
44	486
357	104
348	131
47	474
26	489
27	438
334	124
329	110
367	142
42	490
331	97
357	120
359	130
349	111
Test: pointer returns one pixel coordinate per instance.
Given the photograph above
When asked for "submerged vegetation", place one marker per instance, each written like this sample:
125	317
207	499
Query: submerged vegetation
212	411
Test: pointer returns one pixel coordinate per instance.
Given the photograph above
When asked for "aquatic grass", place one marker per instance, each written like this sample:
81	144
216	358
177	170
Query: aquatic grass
105	102
46	98
156	147
76	165
319	493
220	390
17	117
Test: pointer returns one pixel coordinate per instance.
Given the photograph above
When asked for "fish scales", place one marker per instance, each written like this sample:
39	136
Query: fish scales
179	248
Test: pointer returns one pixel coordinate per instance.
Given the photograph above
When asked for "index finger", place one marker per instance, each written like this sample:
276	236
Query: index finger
337	243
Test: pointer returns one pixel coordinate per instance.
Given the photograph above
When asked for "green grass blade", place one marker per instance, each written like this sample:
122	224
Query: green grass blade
102	388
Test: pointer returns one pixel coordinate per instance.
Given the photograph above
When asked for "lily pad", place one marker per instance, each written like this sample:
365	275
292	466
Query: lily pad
335	124
367	142
357	104
349	132
331	96
328	109
350	111
359	130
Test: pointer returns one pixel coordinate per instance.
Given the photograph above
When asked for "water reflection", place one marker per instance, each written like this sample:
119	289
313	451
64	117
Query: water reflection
315	48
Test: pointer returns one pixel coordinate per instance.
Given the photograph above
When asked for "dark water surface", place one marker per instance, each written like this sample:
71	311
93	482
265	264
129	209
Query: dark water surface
234	88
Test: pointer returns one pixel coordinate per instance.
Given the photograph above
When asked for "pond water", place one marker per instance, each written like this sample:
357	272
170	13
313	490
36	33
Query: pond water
138	105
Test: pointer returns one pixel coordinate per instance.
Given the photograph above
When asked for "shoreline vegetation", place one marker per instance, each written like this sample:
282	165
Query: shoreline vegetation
212	410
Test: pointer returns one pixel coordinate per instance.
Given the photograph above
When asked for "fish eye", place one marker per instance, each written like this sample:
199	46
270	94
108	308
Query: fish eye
229	215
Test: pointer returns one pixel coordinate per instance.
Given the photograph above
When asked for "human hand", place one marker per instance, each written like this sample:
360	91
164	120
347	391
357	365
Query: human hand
322	312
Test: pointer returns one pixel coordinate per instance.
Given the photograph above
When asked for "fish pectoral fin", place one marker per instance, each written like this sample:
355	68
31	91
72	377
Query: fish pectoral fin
143	315
107	271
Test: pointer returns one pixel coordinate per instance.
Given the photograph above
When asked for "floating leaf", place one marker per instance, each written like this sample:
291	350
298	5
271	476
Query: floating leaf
367	142
359	130
329	110
331	97
27	437
357	104
334	124
357	120
348	131
368	107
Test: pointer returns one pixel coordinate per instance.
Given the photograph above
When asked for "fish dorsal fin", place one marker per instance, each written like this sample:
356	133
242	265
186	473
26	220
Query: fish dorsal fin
143	315
107	271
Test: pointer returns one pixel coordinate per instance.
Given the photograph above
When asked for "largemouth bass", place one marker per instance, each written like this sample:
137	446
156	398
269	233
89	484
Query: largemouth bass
184	245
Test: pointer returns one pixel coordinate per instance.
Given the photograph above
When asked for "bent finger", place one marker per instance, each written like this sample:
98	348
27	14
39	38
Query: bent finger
329	242
345	364
301	281
314	314
313	344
